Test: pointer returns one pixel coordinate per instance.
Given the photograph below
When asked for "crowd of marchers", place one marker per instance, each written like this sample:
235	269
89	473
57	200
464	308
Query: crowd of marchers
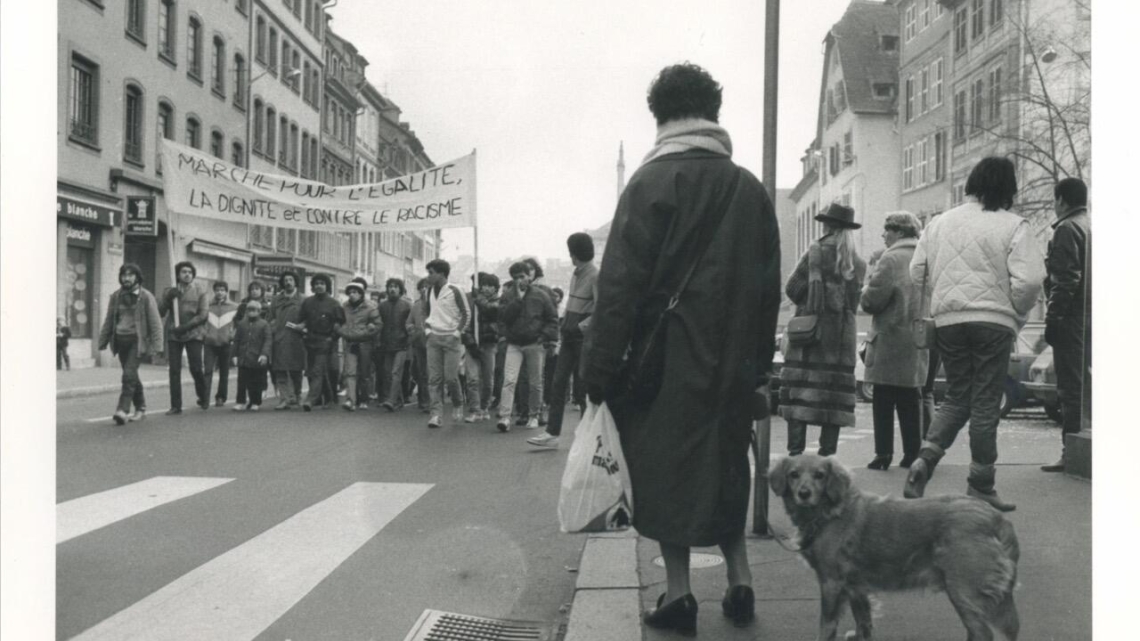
497	351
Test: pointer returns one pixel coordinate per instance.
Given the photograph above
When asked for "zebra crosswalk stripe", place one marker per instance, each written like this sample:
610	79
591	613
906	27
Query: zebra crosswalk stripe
239	594
85	514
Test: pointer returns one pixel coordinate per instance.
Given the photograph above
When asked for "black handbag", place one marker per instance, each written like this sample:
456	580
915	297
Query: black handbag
644	369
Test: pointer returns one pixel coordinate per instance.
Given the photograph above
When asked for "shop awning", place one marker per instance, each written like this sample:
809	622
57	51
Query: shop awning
221	251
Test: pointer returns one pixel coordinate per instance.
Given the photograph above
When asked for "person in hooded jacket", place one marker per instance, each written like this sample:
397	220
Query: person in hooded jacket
132	329
218	341
255	291
320	320
253	345
288	357
361	327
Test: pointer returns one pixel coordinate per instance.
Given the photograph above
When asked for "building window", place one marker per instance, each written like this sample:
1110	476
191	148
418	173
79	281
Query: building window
132	125
239	81
285	57
910	23
293	140
241	6
977	19
259	52
306	82
960	115
136	19
193	133
194	48
313	157
258	124
304	154
996	12
958	194
165	131
218	62
960	20
84	116
295	80
890	43
316	89
908	168
309	13
830	106
977	102
938	82
238	158
273	50
884	90
995	94
297	8
939	156
924	90
924	15
218	144
283	148
910	99
848	149
270	134
923	158
840	97
166	22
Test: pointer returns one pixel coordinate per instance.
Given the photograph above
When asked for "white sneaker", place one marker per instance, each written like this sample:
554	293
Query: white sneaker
435	421
457	415
532	424
544	440
504	424
238	408
254	408
473	417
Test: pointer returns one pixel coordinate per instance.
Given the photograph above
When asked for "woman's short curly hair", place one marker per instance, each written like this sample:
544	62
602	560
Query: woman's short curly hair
684	91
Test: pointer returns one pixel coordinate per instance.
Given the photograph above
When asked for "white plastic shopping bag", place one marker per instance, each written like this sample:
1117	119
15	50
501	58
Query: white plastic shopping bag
596	494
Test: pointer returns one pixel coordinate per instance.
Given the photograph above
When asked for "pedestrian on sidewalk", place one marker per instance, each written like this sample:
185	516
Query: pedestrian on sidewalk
191	302
984	269
582	295
218	341
255	291
361	327
530	324
393	344
417	339
687	448
319	322
482	348
1068	317
448	315
253	345
895	366
62	336
288	357
132	329
817	383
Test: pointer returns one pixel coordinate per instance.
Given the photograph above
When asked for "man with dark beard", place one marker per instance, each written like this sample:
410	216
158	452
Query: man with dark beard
320	321
190	302
132	329
288	358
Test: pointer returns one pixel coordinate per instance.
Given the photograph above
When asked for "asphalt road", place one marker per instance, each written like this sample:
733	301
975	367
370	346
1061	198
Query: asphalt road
330	525
461	519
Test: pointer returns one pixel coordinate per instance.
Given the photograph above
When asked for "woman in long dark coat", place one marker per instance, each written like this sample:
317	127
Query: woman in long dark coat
288	359
817	382
687	450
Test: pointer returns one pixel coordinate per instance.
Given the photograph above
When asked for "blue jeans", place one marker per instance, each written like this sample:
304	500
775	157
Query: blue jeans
480	375
443	354
391	374
976	358
518	356
218	357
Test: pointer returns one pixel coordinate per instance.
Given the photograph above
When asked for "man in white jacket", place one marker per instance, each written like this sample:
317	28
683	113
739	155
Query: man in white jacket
985	272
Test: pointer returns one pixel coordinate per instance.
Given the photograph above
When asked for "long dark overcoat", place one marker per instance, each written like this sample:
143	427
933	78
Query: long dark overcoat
687	451
817	382
288	345
894	300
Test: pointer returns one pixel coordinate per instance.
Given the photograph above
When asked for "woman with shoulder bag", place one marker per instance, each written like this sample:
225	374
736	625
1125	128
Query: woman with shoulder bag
817	383
895	364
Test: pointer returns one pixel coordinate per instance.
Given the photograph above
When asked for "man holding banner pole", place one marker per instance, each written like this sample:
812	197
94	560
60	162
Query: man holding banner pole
187	303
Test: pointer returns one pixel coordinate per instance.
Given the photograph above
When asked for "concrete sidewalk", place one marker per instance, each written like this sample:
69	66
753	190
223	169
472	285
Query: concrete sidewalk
92	381
1053	522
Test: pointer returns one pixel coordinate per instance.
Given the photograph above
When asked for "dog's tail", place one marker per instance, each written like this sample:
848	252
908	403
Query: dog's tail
1004	617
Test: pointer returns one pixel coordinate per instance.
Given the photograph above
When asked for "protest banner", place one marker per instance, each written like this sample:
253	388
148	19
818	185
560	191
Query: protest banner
199	184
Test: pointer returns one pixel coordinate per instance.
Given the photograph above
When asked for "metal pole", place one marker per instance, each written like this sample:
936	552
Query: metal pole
763	436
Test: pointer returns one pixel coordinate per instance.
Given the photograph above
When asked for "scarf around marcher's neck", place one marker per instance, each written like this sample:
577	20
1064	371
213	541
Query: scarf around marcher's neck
676	136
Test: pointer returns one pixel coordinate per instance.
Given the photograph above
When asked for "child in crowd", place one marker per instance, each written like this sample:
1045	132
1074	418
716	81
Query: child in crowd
252	345
62	336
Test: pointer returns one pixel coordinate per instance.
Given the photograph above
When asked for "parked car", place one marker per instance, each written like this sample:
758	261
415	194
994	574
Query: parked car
1029	345
1042	383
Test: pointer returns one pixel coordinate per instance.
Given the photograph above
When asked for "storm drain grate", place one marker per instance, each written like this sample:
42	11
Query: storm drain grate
434	625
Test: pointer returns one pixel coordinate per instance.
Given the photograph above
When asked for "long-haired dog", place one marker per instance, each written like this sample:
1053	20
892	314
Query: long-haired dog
858	544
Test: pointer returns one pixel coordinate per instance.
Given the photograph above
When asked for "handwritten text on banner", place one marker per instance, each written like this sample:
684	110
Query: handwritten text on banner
202	185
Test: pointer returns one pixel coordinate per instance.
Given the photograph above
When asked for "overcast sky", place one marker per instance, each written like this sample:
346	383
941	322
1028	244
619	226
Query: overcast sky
545	91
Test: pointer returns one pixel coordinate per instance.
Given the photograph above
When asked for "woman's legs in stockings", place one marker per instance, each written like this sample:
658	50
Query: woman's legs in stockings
736	559
676	571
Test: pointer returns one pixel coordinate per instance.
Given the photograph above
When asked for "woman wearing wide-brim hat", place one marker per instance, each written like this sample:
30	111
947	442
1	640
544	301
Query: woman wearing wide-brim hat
817	383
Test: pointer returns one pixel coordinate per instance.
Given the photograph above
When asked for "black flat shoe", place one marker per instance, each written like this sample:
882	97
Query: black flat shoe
739	605
880	463
680	615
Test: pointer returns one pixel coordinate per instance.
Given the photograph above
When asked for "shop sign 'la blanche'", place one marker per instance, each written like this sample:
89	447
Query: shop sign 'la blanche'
201	185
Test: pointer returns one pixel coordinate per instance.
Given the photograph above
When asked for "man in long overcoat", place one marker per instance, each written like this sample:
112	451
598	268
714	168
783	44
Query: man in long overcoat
687	450
288	359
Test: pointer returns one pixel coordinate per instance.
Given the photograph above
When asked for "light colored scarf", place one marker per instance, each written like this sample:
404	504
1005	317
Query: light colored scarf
676	136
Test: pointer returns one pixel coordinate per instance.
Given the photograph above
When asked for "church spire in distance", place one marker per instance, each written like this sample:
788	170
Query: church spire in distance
621	168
